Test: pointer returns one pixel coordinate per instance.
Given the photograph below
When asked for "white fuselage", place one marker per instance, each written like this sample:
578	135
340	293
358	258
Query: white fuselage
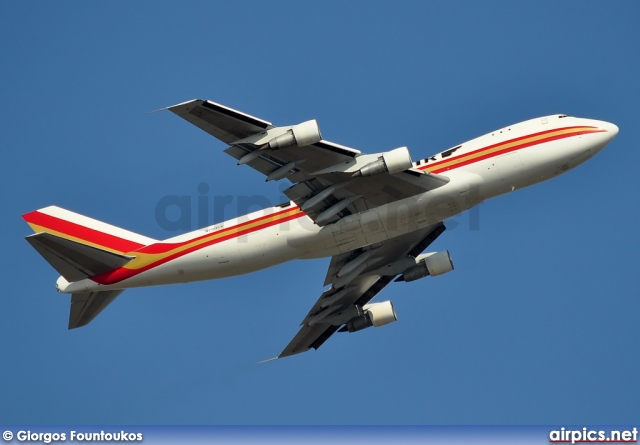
496	163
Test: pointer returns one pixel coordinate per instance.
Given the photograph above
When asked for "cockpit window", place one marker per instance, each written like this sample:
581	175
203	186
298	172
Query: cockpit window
562	115
449	152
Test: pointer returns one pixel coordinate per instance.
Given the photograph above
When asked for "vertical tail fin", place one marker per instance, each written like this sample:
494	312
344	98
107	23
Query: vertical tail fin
79	247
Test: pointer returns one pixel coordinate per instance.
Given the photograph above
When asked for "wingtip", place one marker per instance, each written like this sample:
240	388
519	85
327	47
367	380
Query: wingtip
157	111
176	105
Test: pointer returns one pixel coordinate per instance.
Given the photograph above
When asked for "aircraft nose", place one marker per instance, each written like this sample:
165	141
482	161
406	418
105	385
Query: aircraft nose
612	129
603	138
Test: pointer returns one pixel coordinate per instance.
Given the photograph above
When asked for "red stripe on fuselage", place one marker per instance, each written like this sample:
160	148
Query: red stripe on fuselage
165	247
123	273
433	167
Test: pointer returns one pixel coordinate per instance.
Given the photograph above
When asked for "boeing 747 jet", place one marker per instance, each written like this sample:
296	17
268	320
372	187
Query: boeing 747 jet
372	214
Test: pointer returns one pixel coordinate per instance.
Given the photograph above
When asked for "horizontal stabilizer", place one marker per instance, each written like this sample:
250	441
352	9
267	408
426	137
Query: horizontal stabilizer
73	260
85	306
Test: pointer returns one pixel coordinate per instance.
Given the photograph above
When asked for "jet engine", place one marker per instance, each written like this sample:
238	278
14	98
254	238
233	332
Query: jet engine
434	265
303	134
374	314
394	161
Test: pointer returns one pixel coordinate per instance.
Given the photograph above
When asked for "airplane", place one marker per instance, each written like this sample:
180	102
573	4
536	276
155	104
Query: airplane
373	214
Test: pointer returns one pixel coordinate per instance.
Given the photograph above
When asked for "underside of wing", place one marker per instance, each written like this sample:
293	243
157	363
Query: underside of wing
357	277
330	181
327	198
221	122
309	337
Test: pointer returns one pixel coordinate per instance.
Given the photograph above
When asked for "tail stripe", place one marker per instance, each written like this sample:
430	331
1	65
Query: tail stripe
41	222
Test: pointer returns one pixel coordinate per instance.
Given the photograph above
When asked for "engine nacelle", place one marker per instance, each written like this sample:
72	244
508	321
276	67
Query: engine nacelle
394	161
380	313
303	134
415	272
375	314
439	263
434	265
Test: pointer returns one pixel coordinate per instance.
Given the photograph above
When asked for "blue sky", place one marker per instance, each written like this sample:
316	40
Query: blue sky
538	324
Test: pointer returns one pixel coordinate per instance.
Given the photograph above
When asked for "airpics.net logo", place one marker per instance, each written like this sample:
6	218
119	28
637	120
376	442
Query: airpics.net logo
183	213
586	435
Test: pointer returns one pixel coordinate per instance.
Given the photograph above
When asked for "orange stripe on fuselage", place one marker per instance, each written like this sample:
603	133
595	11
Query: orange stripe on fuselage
506	147
160	253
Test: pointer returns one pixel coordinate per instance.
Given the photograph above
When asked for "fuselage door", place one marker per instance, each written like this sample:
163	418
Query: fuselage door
510	167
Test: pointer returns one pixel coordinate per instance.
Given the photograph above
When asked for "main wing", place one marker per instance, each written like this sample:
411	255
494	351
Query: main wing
363	273
329	180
